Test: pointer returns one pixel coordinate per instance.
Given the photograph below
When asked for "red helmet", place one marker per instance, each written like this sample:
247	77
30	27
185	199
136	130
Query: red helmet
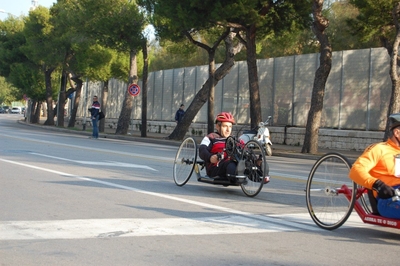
224	117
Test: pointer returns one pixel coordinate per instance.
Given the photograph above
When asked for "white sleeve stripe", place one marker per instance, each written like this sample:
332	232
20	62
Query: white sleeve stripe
206	141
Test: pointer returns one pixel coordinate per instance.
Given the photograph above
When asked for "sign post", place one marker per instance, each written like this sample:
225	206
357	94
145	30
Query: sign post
133	90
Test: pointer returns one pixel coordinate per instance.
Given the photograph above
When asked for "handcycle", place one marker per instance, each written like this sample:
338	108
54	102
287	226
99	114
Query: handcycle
331	196
252	168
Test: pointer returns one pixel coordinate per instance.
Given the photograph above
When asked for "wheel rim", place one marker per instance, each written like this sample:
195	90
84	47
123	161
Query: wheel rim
327	204
255	181
184	162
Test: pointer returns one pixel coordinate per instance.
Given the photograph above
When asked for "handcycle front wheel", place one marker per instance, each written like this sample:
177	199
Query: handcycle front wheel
184	162
256	168
330	193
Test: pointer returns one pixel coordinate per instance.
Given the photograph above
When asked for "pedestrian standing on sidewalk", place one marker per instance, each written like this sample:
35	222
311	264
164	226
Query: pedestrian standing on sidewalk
94	113
179	114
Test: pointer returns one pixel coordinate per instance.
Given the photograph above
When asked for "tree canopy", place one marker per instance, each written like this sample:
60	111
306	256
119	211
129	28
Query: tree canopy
100	39
374	24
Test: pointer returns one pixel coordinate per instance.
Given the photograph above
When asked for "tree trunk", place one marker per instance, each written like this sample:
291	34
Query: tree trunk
211	71
33	106
203	94
78	91
320	24
104	98
211	112
49	97
127	105
255	104
61	100
394	104
43	108
143	130
36	116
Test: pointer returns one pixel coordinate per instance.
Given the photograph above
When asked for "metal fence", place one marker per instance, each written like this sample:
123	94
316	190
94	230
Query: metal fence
357	92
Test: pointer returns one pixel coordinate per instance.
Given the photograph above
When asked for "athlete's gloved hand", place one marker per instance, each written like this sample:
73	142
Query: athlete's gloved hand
384	191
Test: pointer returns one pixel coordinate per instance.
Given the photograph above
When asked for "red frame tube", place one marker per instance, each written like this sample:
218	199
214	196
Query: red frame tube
367	217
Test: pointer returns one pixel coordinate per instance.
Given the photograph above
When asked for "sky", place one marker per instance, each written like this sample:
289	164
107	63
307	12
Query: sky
20	7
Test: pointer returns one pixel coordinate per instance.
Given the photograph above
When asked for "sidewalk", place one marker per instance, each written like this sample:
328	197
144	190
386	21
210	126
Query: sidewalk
277	149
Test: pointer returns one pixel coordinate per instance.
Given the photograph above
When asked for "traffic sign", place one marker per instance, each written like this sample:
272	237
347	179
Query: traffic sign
134	89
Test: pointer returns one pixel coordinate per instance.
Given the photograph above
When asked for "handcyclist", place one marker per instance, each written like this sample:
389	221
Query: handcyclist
376	169
211	148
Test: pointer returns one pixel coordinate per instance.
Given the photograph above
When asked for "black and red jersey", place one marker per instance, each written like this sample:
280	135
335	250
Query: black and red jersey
212	144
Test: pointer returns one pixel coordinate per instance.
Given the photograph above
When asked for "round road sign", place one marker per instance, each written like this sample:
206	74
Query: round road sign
134	89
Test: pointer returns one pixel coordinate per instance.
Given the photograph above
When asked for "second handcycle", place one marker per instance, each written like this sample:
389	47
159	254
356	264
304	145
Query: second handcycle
252	168
331	196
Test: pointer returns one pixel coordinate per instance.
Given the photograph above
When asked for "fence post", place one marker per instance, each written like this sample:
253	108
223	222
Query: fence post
369	91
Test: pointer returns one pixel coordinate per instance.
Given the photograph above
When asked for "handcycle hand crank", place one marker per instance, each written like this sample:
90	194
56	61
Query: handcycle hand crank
220	156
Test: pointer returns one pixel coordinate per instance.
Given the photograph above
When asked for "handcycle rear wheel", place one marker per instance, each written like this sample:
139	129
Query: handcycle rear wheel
256	168
184	162
328	204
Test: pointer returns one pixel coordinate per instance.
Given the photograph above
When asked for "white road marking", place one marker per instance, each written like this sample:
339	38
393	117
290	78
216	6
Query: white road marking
236	221
103	228
151	157
354	221
107	228
290	176
111	163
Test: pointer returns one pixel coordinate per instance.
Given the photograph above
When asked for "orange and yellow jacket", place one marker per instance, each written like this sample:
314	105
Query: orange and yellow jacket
376	162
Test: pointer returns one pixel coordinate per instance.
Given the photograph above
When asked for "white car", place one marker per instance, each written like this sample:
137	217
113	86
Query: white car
16	110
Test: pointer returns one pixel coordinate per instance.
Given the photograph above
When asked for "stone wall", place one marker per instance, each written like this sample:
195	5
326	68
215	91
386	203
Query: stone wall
328	138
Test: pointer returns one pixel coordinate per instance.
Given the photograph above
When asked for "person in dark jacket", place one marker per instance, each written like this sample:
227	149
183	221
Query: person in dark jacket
179	114
211	148
94	113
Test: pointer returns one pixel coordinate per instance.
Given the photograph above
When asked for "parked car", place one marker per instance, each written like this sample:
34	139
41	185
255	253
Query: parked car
4	109
16	110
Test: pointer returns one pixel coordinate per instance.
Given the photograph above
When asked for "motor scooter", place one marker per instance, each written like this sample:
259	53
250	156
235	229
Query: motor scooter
261	134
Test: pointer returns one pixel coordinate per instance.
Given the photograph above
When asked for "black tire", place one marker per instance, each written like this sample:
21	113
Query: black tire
268	149
327	205
255	171
365	203
185	160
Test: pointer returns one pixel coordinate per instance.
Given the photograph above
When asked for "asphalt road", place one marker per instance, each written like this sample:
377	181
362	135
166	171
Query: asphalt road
69	200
